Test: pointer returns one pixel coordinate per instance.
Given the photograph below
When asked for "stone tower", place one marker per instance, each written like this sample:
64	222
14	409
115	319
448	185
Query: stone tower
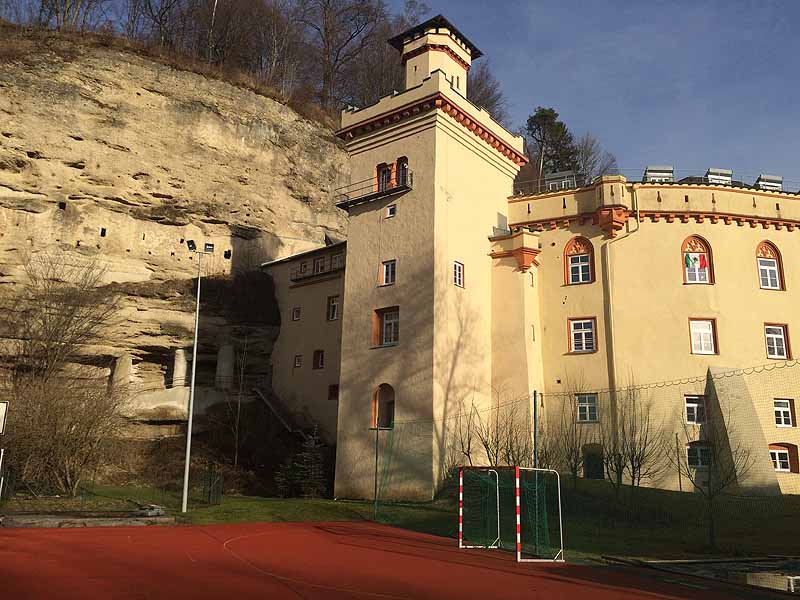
431	174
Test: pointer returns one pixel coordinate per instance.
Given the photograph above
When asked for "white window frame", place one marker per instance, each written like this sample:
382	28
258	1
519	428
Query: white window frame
390	327
694	409
768	269
703	342
391	211
458	274
783	413
701	452
318	265
582	267
776	457
587	404
385	178
779	340
318	364
296	312
578	336
333	308
389	271
698	274
337	261
298	361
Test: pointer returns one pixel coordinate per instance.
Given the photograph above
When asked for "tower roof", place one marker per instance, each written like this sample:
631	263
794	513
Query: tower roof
434	23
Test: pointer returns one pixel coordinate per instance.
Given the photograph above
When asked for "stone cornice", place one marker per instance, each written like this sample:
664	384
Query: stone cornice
436	48
432	102
612	219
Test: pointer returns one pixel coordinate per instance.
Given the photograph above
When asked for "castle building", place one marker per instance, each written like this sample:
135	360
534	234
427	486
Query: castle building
458	290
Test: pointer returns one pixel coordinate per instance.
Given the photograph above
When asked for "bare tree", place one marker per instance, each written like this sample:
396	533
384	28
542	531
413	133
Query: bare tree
643	437
715	459
591	160
65	414
339	32
162	15
571	434
484	90
229	417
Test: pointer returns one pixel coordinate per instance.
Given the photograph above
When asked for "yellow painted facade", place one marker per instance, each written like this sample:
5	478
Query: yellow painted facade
482	295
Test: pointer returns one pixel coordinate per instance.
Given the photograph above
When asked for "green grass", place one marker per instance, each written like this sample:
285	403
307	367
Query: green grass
655	524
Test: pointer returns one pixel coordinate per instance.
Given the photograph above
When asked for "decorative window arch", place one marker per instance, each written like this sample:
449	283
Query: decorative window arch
383	177
401	171
770	266
698	264
784	457
383	406
578	261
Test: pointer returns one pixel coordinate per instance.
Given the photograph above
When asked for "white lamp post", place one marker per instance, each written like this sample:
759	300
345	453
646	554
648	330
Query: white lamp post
207	249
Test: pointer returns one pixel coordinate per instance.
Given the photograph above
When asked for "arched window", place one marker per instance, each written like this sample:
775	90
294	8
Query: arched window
401	172
383	176
698	266
578	261
770	266
383	406
784	457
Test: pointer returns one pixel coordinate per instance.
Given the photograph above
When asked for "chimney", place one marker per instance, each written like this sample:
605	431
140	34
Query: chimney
719	176
659	173
436	45
773	183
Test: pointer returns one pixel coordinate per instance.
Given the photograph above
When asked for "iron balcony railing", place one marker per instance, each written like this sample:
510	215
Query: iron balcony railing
368	189
317	267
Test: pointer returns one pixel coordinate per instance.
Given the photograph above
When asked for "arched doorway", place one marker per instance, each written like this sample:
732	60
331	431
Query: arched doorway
593	461
383	406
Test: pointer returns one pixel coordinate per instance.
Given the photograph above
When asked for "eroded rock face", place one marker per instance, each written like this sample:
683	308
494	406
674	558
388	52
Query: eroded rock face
107	156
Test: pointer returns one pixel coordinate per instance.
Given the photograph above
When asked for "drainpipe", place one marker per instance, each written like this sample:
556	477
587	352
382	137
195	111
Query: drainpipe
609	304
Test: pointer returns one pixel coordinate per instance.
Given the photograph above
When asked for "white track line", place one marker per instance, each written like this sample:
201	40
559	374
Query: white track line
297	581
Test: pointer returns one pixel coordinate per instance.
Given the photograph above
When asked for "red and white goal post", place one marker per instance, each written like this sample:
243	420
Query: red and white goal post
511	508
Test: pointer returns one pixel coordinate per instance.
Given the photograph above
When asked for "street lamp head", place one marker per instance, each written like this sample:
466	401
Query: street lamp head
192	246
208	247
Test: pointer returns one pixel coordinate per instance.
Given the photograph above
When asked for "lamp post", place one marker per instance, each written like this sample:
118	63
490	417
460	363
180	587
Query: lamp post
207	249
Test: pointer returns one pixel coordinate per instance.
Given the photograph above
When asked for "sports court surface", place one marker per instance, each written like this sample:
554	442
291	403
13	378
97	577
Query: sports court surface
308	561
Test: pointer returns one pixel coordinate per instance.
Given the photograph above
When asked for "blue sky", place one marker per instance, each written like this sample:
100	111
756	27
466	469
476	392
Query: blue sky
694	84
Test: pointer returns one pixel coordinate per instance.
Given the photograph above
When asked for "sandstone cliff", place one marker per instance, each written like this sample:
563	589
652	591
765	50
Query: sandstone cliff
107	155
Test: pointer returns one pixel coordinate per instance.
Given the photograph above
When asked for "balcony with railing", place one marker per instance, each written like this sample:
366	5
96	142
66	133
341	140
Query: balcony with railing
373	188
317	267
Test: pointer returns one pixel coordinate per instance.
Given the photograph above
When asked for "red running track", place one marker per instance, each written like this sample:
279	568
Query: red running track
310	561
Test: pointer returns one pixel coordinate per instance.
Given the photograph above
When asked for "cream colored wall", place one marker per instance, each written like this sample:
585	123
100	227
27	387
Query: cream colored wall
407	367
304	390
469	173
651	305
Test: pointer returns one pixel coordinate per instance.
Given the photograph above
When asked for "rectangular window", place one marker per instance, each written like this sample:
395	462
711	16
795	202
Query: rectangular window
391	211
780	460
587	408
696	267
582	338
777	342
579	271
296	313
319	265
768	274
337	261
783	413
333	392
695	409
389	326
389	272
319	359
703	336
698	457
333	308
303	267
298	361
458	274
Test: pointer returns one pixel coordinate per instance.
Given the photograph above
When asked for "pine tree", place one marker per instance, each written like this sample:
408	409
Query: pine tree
311	467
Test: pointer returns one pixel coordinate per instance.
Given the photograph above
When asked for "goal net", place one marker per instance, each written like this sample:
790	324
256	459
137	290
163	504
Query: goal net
511	508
